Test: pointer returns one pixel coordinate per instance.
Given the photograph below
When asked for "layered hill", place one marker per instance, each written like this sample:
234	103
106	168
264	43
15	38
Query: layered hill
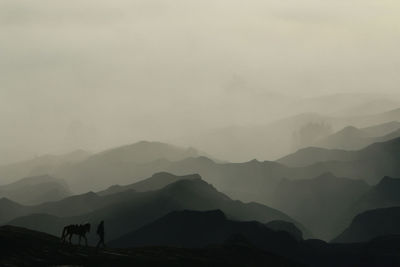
372	224
318	201
39	166
382	129
352	138
128	210
199	229
382	195
369	164
35	190
275	139
125	164
155	182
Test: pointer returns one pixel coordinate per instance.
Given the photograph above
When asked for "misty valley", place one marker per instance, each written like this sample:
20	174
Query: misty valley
335	203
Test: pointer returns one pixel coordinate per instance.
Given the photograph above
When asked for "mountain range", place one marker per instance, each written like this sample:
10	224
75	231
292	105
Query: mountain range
352	138
276	139
128	210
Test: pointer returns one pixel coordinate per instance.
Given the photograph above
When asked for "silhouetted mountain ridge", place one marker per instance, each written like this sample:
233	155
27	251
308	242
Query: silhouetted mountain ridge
371	224
201	228
155	182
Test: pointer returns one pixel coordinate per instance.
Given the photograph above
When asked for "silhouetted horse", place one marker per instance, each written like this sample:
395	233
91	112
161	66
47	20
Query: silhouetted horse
75	229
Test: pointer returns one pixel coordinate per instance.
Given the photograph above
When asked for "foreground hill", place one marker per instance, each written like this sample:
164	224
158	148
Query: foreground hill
23	247
35	190
199	229
372	224
316	202
129	210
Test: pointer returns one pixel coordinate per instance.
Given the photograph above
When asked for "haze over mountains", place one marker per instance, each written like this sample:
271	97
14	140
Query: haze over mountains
286	135
38	166
158	194
200	133
351	138
268	126
35	190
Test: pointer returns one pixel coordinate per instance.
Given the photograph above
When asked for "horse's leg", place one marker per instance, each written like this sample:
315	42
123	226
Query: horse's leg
85	240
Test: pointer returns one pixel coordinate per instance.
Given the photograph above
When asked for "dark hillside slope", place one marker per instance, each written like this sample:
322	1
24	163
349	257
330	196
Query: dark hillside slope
319	201
198	229
372	224
23	247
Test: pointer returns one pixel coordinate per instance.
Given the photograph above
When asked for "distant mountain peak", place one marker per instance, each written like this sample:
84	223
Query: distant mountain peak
36	179
189	183
194	187
254	161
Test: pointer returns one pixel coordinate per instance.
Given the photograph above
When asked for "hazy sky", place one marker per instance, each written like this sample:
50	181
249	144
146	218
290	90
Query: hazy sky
93	74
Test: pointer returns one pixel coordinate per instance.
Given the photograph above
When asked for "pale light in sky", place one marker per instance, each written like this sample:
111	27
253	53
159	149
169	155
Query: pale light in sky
98	73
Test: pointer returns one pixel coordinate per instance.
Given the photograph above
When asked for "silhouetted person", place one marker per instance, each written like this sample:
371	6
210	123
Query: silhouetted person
100	233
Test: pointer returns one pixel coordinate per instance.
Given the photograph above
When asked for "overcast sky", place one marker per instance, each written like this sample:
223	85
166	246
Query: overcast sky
94	74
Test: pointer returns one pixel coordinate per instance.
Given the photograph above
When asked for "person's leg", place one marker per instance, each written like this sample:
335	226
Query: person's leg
98	243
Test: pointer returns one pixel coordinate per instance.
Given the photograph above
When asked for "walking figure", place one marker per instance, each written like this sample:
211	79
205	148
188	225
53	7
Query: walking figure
100	233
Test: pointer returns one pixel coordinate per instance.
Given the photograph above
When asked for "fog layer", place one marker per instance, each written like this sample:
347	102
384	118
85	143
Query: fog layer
96	74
